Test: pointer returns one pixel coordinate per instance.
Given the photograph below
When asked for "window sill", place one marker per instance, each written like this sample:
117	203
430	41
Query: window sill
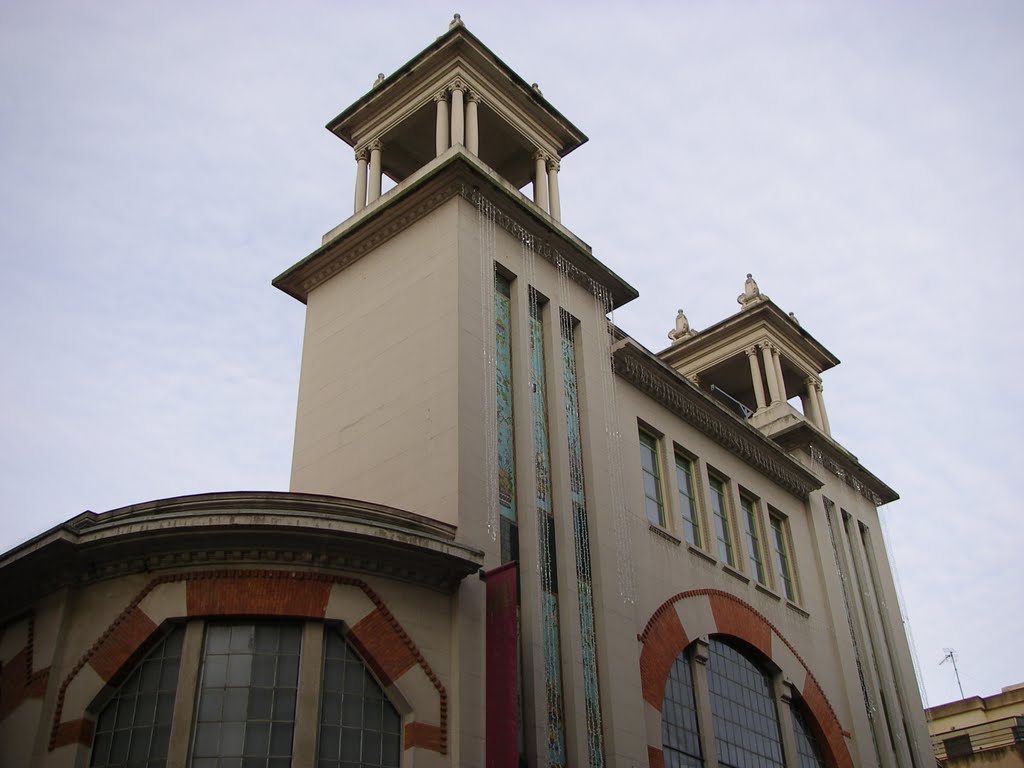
659	531
796	608
701	553
734	573
771	593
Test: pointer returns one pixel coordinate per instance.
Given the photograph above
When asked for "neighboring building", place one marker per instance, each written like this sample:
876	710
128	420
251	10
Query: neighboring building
980	730
702	573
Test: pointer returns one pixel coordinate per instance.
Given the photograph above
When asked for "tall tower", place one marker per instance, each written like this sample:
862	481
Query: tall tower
452	325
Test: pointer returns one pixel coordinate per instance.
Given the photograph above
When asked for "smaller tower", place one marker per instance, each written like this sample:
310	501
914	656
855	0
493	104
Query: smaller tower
759	358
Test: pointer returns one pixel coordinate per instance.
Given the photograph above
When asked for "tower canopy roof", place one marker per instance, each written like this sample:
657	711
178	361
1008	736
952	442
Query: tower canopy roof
516	121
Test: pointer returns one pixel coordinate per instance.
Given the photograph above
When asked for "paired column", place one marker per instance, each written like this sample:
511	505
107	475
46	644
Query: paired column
545	184
367	180
755	376
771	373
461	124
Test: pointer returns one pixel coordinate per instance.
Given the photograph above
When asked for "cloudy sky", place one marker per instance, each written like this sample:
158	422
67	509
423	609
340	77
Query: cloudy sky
161	162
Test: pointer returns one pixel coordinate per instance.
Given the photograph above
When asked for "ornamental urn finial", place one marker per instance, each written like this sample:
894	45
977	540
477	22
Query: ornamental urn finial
682	331
751	293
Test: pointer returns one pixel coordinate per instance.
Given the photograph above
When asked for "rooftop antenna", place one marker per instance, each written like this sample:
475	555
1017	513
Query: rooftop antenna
951	656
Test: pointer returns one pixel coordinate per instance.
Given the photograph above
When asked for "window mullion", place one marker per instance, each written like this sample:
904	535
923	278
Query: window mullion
307	699
188	677
783	701
702	693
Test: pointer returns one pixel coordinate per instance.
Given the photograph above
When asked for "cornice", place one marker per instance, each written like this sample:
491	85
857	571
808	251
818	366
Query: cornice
455	173
283	529
830	455
652	377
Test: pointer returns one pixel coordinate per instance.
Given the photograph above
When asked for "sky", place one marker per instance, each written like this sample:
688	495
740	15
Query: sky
160	163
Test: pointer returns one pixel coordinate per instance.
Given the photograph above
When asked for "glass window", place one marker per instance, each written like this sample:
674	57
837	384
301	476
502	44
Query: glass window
652	479
247	688
134	727
687	500
807	749
720	512
680	734
743	709
358	725
780	554
750	529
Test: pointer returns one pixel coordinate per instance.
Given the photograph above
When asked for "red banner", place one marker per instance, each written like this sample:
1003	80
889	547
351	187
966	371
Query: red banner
502	659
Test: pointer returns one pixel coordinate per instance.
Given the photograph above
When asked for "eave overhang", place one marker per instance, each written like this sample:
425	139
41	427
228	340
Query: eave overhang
456	172
458	47
837	460
271	528
665	386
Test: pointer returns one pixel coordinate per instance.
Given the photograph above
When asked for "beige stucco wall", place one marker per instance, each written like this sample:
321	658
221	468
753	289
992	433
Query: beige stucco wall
378	394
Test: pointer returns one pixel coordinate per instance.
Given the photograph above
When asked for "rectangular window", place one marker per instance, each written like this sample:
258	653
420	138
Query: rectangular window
687	500
652	479
751	529
781	554
720	512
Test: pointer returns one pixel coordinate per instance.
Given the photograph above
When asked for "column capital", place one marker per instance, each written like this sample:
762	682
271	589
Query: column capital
751	351
458	84
441	95
361	155
540	154
701	650
553	164
819	386
375	145
472	97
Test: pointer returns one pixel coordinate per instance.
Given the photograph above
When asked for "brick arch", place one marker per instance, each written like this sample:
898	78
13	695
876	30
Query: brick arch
378	636
664	638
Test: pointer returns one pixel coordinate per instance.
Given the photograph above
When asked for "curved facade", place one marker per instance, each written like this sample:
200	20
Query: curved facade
678	565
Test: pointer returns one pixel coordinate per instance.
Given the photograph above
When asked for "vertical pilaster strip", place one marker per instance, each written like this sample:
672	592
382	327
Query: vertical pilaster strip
581	535
556	753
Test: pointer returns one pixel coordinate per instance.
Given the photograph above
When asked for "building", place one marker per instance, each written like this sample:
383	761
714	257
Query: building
980	730
677	566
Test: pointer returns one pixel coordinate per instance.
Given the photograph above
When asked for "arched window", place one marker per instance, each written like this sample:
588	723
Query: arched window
719	687
358	725
743	708
244	681
679	731
134	727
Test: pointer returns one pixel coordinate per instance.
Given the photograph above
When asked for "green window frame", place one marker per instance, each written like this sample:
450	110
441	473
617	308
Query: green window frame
751	528
651	469
688	500
781	554
723	528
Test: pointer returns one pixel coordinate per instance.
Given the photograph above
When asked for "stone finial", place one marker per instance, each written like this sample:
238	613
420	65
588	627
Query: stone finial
537	89
379	80
456	22
682	331
751	293
792	316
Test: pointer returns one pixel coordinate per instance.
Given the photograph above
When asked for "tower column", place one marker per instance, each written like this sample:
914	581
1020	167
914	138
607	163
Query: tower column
777	361
374	192
472	126
755	377
556	207
769	373
458	114
821	408
810	399
540	180
360	200
441	140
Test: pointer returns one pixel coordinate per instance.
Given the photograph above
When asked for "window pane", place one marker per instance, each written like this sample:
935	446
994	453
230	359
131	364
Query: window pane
780	555
723	531
247	691
679	732
687	501
750	528
651	479
743	709
807	748
133	725
350	697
